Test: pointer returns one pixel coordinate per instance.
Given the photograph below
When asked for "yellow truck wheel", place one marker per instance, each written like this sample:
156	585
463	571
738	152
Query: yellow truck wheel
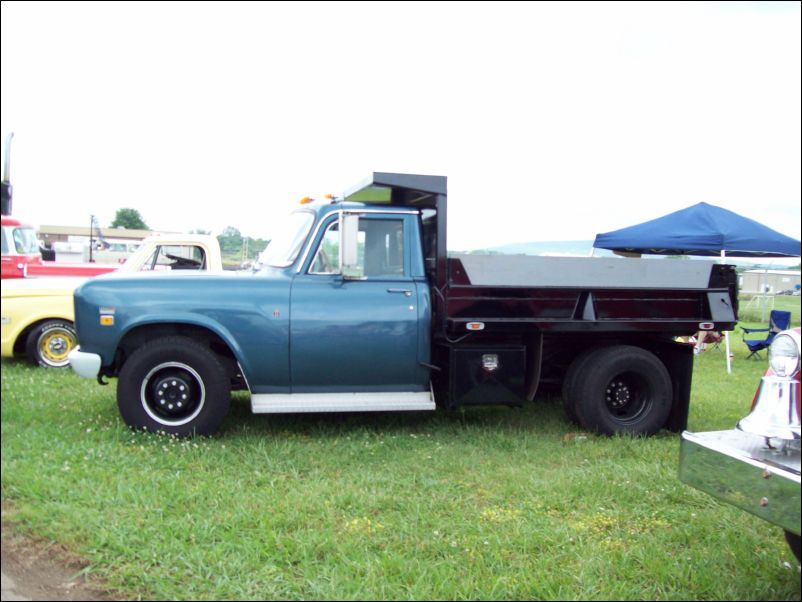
50	343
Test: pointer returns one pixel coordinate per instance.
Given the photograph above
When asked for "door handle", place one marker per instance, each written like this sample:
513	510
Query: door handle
404	291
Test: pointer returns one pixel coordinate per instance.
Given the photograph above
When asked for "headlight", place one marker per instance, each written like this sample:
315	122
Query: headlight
784	354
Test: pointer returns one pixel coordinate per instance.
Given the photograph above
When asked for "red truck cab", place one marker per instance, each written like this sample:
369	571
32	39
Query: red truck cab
20	248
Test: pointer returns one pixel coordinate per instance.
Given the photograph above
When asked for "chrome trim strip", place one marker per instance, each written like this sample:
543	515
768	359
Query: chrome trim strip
244	377
388	211
280	403
739	469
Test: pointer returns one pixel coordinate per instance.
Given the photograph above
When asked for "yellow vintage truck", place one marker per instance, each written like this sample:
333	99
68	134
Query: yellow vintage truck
37	313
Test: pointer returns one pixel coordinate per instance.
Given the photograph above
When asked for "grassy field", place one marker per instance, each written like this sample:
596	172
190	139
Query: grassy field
486	504
757	310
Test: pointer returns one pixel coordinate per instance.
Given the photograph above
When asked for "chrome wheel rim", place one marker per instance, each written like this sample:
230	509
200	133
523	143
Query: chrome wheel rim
173	394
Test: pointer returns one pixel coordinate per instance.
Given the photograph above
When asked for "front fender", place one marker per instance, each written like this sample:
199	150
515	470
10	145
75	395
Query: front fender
250	315
186	319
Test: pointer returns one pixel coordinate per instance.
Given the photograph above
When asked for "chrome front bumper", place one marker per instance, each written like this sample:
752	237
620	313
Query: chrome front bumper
84	364
739	469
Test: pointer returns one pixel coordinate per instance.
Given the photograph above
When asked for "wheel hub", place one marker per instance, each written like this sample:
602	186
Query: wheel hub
619	394
54	345
57	345
172	395
626	397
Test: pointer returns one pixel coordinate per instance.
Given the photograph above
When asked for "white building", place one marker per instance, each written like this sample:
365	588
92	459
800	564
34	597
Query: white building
770	282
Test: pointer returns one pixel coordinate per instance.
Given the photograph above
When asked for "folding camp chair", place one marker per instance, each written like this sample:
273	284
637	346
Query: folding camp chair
778	321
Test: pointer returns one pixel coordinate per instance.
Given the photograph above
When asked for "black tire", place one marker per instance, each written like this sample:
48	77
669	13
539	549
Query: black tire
573	373
50	343
622	390
795	544
175	385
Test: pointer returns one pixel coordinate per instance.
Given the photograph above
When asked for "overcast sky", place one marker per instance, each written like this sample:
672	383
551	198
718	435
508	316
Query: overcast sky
552	121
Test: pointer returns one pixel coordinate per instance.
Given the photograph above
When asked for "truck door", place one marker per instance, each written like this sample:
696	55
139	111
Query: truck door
357	335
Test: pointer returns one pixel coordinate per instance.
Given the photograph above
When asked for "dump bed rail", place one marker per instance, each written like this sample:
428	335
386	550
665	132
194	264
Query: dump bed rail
607	295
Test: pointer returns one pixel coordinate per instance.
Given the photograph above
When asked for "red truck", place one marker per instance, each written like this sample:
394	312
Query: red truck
20	248
21	256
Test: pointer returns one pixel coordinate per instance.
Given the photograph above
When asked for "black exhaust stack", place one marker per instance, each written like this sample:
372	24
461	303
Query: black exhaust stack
7	189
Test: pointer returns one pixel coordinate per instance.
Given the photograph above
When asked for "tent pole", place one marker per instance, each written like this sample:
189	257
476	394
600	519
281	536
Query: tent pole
726	332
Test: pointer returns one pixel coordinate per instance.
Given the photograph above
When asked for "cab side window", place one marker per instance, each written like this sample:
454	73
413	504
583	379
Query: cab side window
175	257
381	249
327	258
384	247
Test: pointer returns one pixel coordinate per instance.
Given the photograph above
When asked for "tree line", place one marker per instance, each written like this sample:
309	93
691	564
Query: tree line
235	248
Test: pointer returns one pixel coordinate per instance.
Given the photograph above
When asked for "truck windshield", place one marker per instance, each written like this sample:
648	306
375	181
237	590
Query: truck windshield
287	242
24	240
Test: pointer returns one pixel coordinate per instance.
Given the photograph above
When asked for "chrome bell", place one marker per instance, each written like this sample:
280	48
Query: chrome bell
776	411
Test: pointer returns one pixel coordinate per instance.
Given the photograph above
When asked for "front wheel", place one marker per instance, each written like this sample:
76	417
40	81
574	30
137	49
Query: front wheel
50	343
174	385
622	390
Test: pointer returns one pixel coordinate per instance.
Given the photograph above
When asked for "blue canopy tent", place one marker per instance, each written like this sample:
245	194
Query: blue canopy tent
701	229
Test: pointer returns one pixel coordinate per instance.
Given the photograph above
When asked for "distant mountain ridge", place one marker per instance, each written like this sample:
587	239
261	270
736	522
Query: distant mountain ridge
582	248
576	248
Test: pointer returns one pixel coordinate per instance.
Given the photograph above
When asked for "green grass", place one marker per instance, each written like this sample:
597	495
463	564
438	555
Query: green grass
487	504
757	310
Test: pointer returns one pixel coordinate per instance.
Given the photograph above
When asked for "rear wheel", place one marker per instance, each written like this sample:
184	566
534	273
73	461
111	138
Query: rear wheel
175	385
573	374
50	343
794	543
622	390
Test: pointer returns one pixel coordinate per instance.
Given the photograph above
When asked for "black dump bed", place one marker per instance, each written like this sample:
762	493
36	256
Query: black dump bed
572	294
520	293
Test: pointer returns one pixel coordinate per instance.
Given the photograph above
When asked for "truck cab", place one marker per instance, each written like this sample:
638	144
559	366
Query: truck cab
377	298
20	248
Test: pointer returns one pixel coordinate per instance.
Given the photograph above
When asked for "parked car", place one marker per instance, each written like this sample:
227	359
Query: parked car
38	313
756	465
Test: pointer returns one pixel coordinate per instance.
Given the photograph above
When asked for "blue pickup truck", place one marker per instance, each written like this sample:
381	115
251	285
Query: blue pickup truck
358	307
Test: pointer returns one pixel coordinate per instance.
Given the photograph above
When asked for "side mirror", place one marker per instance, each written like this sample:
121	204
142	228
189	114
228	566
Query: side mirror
349	247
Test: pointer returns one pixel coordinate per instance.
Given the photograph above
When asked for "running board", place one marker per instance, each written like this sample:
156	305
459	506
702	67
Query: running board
341	402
